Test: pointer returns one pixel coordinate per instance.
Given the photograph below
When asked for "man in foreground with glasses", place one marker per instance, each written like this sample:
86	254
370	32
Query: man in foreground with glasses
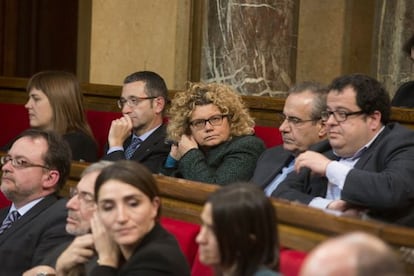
78	255
34	169
370	169
140	134
301	127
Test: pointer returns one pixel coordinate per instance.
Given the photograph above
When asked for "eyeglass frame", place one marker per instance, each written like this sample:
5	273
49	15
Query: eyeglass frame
82	196
203	122
295	121
341	113
15	162
132	101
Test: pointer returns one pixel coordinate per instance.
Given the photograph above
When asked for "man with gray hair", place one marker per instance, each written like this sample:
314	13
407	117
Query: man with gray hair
81	207
301	127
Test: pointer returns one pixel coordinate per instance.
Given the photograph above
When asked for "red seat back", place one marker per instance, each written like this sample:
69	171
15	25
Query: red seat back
100	122
185	233
270	135
15	120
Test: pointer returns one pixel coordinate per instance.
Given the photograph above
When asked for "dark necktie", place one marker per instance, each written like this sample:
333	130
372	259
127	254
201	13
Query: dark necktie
11	217
132	147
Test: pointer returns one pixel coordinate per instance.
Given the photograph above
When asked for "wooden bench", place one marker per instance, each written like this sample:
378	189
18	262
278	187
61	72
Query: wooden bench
300	227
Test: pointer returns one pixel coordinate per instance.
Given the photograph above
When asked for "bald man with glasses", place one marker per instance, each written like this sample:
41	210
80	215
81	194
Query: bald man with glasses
301	127
369	170
140	133
33	171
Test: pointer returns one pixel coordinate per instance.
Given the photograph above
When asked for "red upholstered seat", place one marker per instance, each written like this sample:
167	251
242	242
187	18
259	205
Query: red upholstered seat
291	261
185	233
100	122
14	121
270	135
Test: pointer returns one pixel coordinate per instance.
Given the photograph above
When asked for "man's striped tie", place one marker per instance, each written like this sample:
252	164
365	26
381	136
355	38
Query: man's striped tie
11	217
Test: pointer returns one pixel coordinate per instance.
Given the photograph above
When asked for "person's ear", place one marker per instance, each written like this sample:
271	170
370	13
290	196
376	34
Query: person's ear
322	132
51	178
159	104
374	120
156	206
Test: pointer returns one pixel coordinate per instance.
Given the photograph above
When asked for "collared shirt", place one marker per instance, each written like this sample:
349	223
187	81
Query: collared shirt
24	209
279	178
336	172
142	137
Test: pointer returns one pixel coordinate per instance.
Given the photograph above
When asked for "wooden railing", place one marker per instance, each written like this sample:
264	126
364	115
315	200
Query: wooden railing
300	227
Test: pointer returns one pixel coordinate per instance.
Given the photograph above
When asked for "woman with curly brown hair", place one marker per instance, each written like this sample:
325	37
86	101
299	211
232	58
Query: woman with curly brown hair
212	136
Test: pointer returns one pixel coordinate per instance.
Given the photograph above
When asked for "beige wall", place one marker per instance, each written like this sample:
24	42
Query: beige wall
134	35
320	40
334	38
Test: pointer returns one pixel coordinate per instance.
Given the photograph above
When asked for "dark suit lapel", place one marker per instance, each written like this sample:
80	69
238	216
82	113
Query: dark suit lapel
366	156
26	218
273	170
146	147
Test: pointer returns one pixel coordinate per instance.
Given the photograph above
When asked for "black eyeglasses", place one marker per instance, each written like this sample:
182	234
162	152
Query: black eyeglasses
20	162
215	120
132	101
339	115
295	121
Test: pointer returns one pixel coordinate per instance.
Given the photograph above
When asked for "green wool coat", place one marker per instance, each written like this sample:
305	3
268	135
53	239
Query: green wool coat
232	161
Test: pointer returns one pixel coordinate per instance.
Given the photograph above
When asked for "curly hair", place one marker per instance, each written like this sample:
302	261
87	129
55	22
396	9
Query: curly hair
221	95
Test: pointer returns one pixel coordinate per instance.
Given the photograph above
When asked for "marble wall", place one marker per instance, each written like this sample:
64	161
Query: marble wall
250	44
394	26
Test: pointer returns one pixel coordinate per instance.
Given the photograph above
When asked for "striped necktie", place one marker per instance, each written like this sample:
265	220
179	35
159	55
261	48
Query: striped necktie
132	147
11	217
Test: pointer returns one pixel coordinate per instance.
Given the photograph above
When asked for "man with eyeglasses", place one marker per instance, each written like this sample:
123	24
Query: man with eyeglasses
369	171
77	256
301	127
33	171
140	134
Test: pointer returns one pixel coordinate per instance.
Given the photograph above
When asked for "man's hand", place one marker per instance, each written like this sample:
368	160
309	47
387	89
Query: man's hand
119	131
315	161
78	252
40	269
347	209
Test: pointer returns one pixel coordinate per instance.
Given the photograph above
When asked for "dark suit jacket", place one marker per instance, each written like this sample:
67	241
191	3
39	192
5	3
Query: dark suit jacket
273	160
83	147
30	238
270	164
158	254
151	153
381	181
